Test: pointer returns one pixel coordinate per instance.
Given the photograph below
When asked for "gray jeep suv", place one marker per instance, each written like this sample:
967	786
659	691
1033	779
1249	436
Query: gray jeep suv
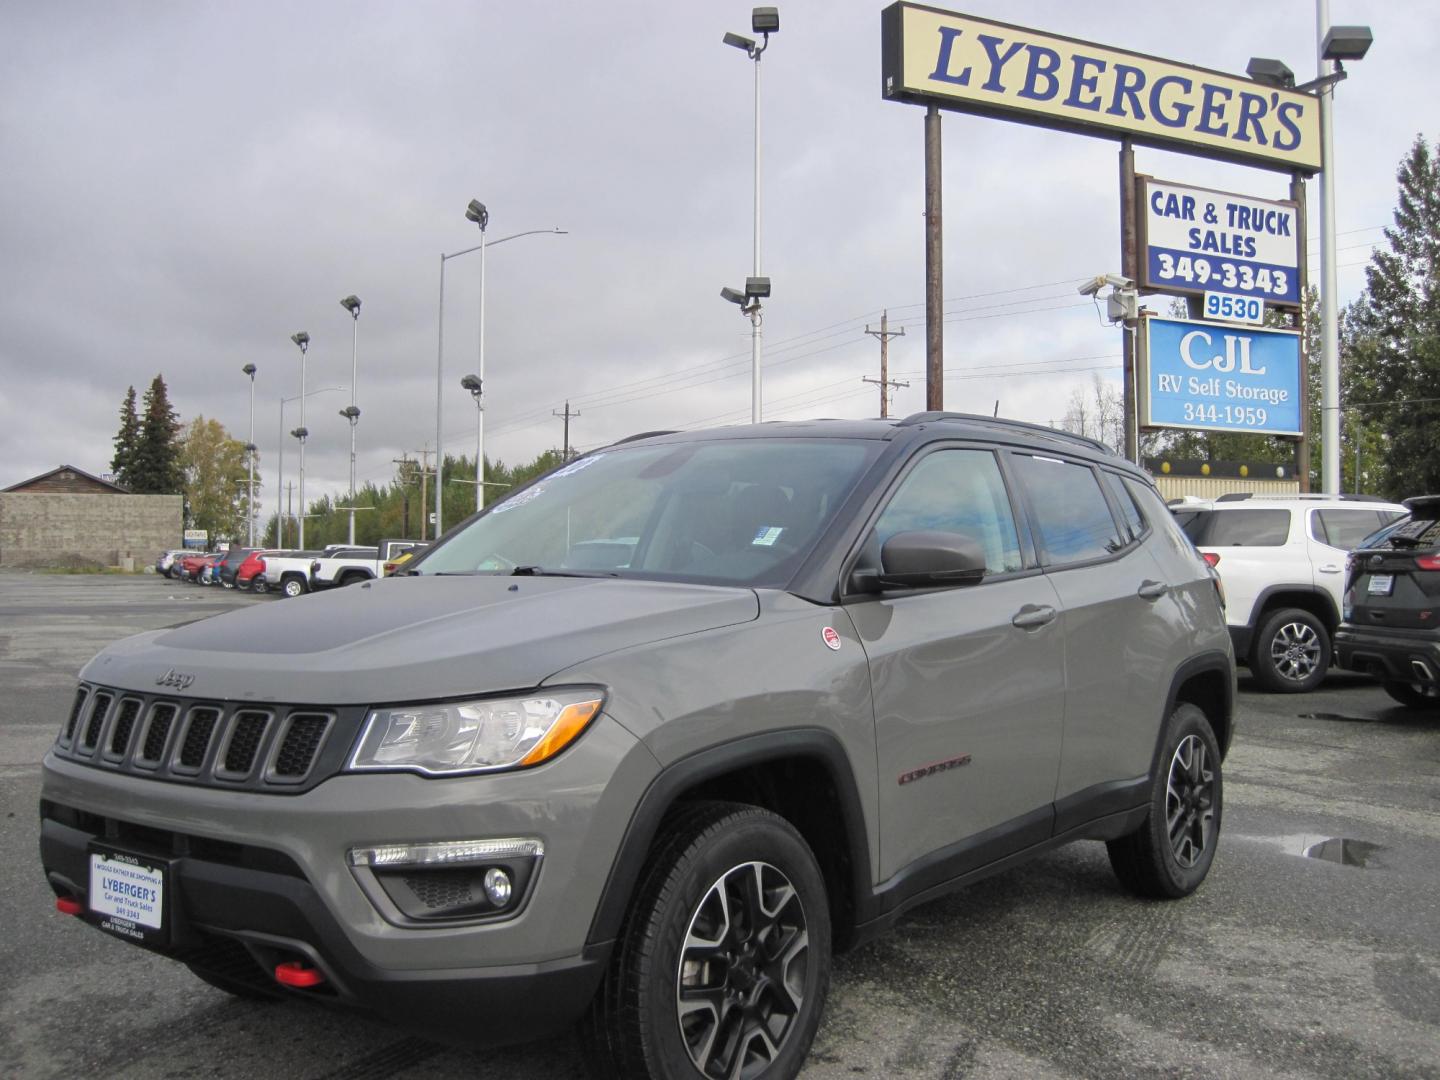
642	743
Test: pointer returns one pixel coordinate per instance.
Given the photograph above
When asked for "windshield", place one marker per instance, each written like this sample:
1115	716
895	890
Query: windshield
737	511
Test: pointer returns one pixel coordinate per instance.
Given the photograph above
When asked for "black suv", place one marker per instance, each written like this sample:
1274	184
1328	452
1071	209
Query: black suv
1392	605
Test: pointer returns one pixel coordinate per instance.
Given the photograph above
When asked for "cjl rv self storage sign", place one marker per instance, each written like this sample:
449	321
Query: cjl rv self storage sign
1219	377
1197	241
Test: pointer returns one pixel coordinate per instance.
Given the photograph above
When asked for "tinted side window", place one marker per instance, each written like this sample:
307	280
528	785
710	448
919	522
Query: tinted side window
1240	528
1070	510
1344	528
957	491
1129	510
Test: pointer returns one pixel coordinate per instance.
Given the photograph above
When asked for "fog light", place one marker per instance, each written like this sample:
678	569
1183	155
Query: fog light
497	887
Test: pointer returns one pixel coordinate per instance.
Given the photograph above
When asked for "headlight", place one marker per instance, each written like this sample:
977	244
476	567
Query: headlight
476	736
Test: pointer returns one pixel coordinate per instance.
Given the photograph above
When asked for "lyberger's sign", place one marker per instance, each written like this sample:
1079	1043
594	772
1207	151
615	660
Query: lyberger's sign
954	61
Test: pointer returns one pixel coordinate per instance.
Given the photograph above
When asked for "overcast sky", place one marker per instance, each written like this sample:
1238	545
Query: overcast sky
187	184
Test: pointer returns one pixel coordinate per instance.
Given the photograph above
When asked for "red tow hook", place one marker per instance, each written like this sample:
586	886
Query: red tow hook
294	973
68	905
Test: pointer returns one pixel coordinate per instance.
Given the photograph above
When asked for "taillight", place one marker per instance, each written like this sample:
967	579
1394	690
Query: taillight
389	568
1212	558
1427	562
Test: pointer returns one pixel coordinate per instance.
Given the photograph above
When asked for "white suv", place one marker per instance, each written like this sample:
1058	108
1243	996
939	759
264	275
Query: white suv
1282	560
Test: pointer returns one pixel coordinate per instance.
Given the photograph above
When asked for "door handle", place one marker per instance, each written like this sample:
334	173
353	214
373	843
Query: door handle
1152	590
1034	616
1329	568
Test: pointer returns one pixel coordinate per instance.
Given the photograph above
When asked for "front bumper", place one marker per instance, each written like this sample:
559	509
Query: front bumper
256	880
1406	656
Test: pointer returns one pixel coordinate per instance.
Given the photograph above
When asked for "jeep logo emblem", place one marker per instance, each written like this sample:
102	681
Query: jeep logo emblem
178	679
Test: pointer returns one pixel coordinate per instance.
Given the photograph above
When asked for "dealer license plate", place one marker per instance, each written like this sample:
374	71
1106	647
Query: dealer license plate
127	894
1381	584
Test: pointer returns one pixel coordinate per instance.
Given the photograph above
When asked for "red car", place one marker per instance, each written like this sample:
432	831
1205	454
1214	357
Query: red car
191	566
250	573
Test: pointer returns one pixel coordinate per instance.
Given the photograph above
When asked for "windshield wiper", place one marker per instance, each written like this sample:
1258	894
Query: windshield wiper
540	571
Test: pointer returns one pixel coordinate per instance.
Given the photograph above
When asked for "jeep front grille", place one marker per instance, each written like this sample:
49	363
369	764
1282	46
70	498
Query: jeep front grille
277	748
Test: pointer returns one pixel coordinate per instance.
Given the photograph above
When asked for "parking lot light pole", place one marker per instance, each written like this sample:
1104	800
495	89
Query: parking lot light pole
764	21
249	369
474	212
476	386
302	339
280	459
352	305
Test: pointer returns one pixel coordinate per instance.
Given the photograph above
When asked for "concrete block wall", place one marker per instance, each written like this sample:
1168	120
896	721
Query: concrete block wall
40	530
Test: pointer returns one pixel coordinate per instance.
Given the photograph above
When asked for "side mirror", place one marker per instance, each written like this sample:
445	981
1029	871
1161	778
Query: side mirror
930	559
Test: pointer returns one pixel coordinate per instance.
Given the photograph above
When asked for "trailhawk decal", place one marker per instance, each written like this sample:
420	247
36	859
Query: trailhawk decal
930	770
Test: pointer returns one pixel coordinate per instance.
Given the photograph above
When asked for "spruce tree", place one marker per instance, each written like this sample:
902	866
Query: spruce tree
155	468
1397	331
125	441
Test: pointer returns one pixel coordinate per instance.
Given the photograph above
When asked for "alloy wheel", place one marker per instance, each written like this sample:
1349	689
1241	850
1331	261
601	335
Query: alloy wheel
740	984
1295	651
1190	802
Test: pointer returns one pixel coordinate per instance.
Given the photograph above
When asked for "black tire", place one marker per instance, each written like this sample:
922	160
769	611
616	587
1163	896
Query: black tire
1413	695
1170	854
293	586
352	579
257	584
1291	652
234	987
753	992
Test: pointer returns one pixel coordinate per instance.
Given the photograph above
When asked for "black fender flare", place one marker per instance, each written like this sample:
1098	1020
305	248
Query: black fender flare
1198	665
683	775
1267	594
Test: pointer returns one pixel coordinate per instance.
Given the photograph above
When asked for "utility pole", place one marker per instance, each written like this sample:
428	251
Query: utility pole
424	478
566	415
404	462
884	334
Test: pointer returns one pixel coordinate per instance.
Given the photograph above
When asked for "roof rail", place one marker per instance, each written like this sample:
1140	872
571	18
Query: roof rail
1235	496
993	421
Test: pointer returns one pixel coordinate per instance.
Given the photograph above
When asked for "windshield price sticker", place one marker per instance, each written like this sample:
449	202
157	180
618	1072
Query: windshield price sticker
1198	240
128	890
1219	377
1242	309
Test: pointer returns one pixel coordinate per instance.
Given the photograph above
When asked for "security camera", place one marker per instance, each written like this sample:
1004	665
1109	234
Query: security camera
1095	284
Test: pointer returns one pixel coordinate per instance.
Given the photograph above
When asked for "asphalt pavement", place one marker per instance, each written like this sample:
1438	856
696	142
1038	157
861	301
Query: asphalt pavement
1284	964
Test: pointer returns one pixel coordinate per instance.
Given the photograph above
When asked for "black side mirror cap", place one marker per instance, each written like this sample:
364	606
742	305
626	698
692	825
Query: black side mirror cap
930	559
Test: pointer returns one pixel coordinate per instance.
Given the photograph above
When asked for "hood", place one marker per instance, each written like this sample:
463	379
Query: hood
408	639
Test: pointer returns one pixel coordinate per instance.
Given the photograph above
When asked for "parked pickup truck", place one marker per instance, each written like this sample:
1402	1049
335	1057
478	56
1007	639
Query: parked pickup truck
288	571
346	566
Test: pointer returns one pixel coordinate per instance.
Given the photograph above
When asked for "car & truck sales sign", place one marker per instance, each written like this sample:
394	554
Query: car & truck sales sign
954	61
1219	377
1196	241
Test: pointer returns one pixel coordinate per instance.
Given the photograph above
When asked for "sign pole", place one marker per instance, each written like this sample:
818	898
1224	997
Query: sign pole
1302	318
934	268
1128	270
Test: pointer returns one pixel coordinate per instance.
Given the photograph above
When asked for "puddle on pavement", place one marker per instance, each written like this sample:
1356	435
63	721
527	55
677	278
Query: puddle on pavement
1336	849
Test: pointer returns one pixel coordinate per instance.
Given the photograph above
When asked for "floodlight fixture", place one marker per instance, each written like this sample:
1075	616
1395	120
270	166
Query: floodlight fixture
251	448
301	433
302	339
477	213
351	413
1271	72
1346	43
765	20
472	383
735	296
737	42
249	369
757	288
351	304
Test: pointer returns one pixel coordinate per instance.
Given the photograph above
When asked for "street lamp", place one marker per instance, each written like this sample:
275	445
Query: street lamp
302	339
477	213
351	304
249	369
763	21
1336	44
474	384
